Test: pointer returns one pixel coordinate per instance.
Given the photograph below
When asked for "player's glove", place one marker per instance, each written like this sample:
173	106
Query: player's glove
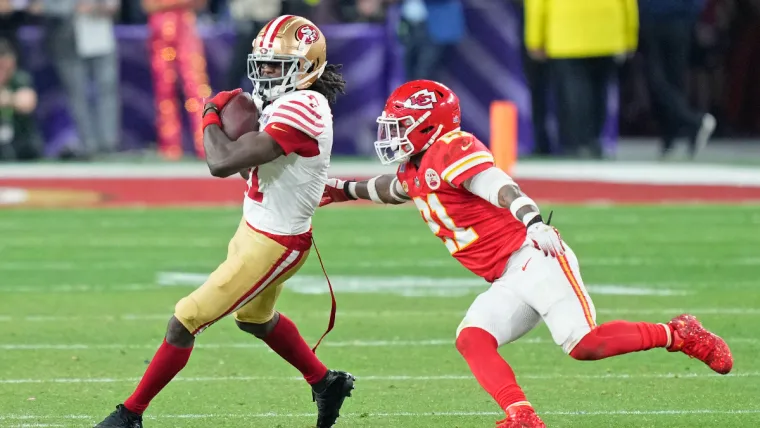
546	238
215	105
336	190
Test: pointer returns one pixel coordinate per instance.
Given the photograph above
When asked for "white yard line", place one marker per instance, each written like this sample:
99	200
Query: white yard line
395	314
402	285
440	414
393	378
257	345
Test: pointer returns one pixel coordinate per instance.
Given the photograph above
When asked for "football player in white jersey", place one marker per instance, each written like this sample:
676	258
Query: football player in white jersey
286	165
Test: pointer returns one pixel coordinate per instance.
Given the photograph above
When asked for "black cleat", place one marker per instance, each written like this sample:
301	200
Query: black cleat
338	386
121	418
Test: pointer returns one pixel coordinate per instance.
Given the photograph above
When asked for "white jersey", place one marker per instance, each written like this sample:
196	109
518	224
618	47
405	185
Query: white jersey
283	194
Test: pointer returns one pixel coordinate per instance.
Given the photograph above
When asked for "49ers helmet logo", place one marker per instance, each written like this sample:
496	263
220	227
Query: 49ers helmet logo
421	100
307	34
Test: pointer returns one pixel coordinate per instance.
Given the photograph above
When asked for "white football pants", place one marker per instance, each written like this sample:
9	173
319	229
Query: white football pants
535	287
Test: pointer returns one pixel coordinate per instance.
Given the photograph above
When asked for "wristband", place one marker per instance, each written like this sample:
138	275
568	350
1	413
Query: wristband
372	190
211	118
519	203
349	188
532	219
211	107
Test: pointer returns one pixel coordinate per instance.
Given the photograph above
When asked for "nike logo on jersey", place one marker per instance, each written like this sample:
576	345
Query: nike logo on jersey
466	146
274	125
526	264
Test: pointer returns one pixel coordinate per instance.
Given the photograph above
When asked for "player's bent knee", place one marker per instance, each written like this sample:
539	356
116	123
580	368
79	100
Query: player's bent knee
260	330
473	338
178	335
479	323
590	347
187	312
462	343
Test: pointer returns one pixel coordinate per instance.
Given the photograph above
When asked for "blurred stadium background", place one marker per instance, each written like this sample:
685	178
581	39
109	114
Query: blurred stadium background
108	214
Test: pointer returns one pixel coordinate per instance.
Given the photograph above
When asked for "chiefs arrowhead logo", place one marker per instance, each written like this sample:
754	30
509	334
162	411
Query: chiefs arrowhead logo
421	100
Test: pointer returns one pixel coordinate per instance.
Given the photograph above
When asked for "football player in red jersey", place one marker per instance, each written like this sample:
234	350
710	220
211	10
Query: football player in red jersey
498	233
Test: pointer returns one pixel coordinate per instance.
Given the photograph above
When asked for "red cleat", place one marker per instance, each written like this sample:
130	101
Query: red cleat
697	342
521	416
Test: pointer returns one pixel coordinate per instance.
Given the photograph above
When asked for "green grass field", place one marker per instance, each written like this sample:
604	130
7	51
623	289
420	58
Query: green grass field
81	313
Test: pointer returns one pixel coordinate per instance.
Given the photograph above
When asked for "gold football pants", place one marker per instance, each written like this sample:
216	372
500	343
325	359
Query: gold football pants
247	283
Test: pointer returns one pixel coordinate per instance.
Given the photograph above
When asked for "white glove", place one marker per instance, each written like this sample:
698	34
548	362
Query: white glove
546	238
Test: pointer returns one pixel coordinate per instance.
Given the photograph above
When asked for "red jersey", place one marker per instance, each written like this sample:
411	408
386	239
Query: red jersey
479	234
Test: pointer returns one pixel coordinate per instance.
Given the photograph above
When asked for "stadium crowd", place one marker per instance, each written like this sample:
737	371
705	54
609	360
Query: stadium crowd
573	50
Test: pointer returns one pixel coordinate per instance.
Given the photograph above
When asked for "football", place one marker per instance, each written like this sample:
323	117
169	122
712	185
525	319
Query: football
239	116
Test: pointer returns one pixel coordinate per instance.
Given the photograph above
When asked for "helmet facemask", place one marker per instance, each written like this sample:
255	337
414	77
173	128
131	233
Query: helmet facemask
295	72
393	144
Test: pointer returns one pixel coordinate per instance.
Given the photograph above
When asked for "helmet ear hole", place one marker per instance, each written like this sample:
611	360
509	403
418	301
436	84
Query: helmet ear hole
427	130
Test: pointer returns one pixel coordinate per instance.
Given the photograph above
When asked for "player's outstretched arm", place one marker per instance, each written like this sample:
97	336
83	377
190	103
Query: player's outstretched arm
383	189
495	186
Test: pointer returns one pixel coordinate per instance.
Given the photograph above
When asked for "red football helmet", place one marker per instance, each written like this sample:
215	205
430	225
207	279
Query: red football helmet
415	115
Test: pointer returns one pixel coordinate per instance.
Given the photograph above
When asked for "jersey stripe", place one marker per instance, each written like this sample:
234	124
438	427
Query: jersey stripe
467	162
317	126
272	28
299	113
307	108
287	119
568	271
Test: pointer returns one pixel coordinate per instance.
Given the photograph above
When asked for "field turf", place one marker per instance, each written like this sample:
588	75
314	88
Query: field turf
82	311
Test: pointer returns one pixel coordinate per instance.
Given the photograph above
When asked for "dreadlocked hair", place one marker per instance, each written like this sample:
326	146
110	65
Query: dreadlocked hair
330	83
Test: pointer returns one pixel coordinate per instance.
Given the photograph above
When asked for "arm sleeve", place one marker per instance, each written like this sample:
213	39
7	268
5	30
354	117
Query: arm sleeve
488	183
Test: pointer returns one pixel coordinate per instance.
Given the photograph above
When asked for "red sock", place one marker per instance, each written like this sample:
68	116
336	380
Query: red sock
287	342
479	349
167	362
621	337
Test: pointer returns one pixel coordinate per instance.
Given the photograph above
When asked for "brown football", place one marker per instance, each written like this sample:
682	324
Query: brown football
239	116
